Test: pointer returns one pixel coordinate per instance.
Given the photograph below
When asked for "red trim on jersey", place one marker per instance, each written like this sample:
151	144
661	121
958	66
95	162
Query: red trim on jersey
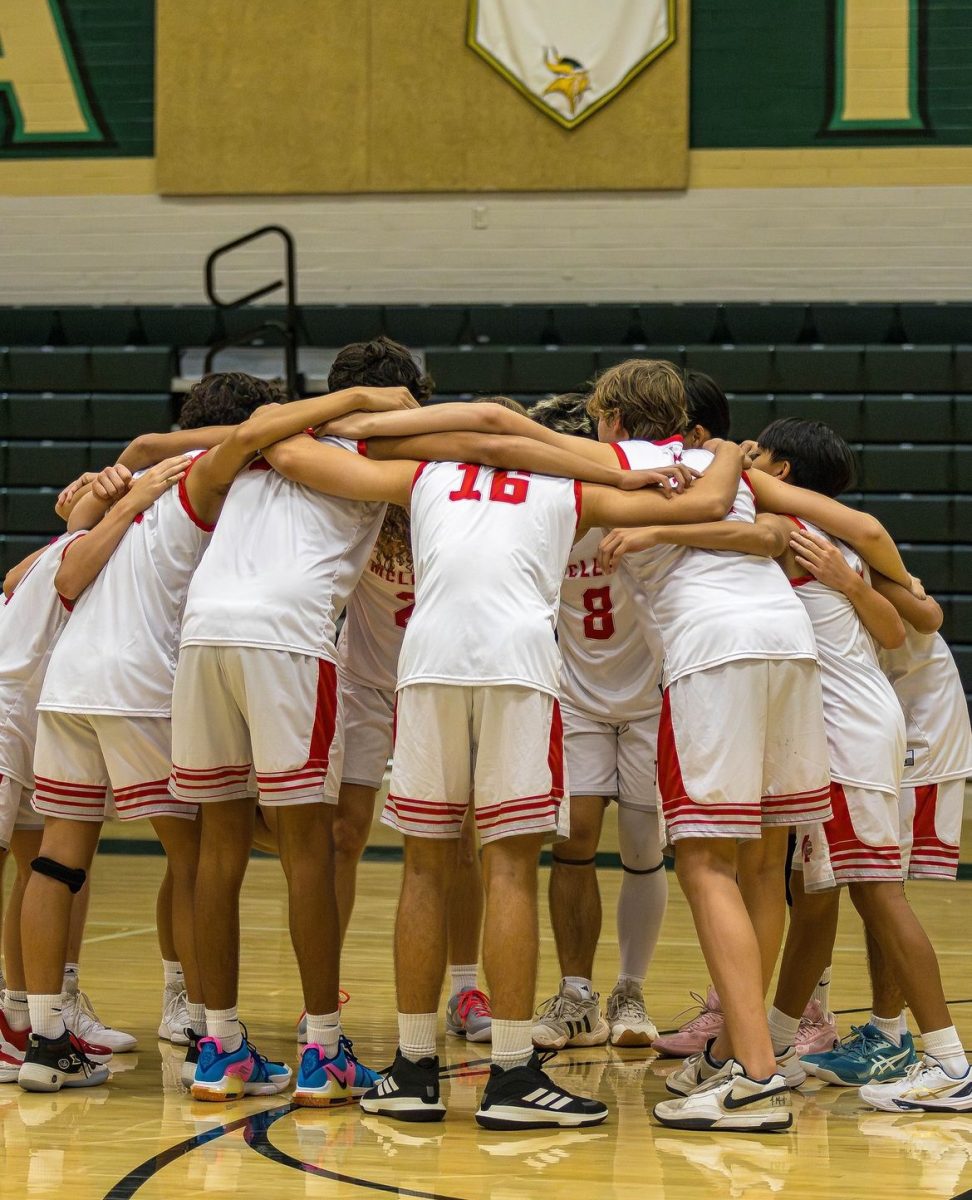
796	521
802	579
418	474
555	751
622	457
187	503
363	449
325	716
671	786
745	479
578	499
847	851
139	518
667	441
259	464
211	772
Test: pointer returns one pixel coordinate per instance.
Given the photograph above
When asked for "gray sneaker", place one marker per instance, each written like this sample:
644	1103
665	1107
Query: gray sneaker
468	1015
627	1016
570	1019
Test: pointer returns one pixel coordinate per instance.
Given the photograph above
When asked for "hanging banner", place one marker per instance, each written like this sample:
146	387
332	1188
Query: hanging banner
570	57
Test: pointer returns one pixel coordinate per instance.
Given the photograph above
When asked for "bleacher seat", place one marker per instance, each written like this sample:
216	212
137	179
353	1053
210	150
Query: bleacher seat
906	469
43	464
178	325
512	324
599	325
418	325
16	546
127	416
237	321
750	414
819	368
46	414
766	324
907	419
610	356
962	366
917	369
338	324
26	325
852	324
682	324
960	619
48	369
132	368
29	509
963	418
931	563
99	324
963	472
845	414
484	369
913	518
963	660
937	323
737	368
551	369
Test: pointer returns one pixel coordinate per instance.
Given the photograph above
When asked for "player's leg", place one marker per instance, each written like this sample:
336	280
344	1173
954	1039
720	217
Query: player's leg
352	828
15	1018
887	999
573	1016
183	1004
468	1013
762	866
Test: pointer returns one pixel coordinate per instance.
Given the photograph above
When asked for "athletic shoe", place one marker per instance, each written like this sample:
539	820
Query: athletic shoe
733	1102
926	1087
408	1092
81	1019
343	998
52	1063
228	1075
818	1031
692	1037
13	1047
323	1082
175	1017
527	1098
700	1068
627	1016
365	1078
570	1019
188	1070
867	1056
468	1015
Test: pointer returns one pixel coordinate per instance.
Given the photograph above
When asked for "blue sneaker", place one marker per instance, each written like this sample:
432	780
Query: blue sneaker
864	1056
228	1075
364	1077
324	1082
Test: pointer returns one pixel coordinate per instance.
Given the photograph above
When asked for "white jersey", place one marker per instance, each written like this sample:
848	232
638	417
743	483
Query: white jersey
281	565
928	686
374	625
714	606
490	548
862	716
31	620
117	655
611	669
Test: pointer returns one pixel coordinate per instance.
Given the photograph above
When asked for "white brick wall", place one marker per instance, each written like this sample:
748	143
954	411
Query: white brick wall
767	243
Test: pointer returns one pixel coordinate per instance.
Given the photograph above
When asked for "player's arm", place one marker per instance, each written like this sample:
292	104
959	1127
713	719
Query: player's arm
924	614
862	531
149	449
19	570
340	473
467	418
86	556
516	453
824	561
708	499
212	474
767	538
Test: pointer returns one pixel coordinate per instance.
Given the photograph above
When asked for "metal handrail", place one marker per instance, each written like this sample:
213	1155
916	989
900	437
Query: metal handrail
289	282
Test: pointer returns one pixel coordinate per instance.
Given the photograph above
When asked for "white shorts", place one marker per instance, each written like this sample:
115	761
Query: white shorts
612	760
743	745
930	829
859	844
15	810
369	720
237	707
79	755
503	742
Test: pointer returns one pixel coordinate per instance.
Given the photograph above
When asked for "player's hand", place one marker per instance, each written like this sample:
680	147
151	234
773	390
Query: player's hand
822	560
112	483
356	426
389	399
917	588
149	486
670	479
619	542
64	500
750	449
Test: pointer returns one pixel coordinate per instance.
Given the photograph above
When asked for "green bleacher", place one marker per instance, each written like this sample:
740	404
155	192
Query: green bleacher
77	381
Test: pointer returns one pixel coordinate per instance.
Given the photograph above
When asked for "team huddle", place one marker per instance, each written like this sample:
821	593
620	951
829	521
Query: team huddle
603	599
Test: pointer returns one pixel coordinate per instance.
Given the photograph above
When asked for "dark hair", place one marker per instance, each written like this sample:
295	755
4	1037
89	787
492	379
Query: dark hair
819	458
706	403
565	414
379	363
227	398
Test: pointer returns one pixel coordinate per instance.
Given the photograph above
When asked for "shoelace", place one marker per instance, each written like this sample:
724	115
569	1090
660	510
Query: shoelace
561	1008
177	1008
81	1011
473	1003
260	1060
701	1018
858	1041
629	1006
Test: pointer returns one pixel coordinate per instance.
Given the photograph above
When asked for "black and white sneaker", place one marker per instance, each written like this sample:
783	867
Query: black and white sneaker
408	1092
52	1063
527	1098
188	1071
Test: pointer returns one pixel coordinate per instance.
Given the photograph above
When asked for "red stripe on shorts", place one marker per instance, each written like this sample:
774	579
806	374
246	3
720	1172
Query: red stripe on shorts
325	715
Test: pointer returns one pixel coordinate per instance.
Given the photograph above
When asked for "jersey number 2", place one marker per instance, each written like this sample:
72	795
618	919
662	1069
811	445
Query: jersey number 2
599	622
507	487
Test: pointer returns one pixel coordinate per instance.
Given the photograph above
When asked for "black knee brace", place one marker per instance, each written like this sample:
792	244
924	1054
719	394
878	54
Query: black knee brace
573	862
646	871
72	877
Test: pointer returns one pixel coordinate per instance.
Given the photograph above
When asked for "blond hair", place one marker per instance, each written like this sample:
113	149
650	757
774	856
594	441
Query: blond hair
647	395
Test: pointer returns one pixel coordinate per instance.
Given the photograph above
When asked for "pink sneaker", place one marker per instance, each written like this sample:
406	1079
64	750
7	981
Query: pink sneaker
693	1035
817	1032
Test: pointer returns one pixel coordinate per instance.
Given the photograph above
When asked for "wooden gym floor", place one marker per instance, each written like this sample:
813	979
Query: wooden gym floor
142	1136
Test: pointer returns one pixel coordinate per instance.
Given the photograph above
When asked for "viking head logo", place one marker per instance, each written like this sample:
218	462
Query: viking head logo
572	79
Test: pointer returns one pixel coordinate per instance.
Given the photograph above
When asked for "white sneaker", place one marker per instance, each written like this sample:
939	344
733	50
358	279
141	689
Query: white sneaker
731	1101
700	1068
789	1066
570	1019
627	1016
927	1087
175	1018
83	1021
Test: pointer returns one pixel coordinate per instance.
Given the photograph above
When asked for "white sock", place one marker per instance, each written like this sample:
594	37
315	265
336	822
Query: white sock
15	1010
325	1030
224	1024
642	898
197	1018
45	1015
903	1022
821	993
512	1043
782	1029
416	1035
463	977
174	979
584	986
945	1047
72	972
889	1026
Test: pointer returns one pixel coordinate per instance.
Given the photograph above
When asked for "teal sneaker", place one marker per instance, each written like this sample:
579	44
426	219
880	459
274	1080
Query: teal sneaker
864	1056
222	1075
